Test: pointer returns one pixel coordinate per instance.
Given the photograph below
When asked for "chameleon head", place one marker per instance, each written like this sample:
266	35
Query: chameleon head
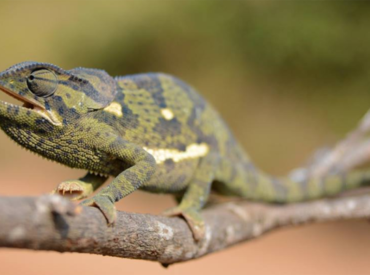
55	102
51	96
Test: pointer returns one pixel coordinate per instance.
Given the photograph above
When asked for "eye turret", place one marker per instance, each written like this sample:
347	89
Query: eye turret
42	82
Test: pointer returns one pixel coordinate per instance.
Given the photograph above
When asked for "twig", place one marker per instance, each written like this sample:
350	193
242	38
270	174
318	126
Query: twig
351	152
54	223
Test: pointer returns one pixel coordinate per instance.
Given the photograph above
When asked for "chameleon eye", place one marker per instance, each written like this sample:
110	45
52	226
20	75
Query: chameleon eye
42	83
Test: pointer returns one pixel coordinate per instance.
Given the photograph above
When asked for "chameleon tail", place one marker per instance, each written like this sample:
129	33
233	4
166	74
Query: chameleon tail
250	183
285	190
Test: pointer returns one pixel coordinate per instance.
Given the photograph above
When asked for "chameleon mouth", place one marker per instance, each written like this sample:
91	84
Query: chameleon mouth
30	105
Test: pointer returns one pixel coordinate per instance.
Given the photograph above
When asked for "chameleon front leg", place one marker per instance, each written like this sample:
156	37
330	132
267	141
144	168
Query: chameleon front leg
196	196
80	188
143	166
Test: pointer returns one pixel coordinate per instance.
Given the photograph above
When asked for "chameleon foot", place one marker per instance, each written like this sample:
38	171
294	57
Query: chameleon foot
105	205
74	189
193	219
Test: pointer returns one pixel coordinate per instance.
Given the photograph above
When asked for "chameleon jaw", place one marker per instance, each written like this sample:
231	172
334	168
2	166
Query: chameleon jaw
44	113
30	105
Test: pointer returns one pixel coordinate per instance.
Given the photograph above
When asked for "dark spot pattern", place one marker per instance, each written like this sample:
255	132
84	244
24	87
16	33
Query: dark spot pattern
151	83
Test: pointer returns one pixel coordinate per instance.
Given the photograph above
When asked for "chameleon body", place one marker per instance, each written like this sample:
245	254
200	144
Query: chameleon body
149	131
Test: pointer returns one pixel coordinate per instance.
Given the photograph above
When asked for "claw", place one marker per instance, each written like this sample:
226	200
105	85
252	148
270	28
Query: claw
74	189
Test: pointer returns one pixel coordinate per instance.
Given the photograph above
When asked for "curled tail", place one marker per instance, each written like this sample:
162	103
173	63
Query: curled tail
249	182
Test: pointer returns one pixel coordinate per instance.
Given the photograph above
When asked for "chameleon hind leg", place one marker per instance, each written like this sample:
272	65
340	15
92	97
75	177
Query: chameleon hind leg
80	188
195	197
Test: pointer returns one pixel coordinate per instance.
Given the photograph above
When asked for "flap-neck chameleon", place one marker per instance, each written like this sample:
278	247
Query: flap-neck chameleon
149	131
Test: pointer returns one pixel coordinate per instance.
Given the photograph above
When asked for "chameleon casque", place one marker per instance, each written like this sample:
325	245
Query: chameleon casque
149	131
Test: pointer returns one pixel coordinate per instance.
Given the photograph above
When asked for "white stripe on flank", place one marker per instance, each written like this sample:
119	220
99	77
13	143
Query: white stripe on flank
192	151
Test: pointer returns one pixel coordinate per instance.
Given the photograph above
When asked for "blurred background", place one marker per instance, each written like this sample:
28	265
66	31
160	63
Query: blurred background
288	77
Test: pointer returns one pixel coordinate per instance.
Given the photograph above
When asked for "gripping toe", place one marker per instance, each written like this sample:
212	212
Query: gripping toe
105	205
74	189
193	218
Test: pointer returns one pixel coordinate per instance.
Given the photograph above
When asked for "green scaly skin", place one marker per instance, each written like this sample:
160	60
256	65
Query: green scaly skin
148	131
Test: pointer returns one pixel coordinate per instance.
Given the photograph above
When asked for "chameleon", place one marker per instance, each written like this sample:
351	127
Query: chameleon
149	131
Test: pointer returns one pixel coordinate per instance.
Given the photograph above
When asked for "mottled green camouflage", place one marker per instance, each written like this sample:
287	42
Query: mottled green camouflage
148	131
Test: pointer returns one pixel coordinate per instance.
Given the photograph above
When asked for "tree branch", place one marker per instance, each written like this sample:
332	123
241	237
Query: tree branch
53	223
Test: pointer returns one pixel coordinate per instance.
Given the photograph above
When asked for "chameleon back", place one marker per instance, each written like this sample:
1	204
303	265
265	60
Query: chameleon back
174	123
